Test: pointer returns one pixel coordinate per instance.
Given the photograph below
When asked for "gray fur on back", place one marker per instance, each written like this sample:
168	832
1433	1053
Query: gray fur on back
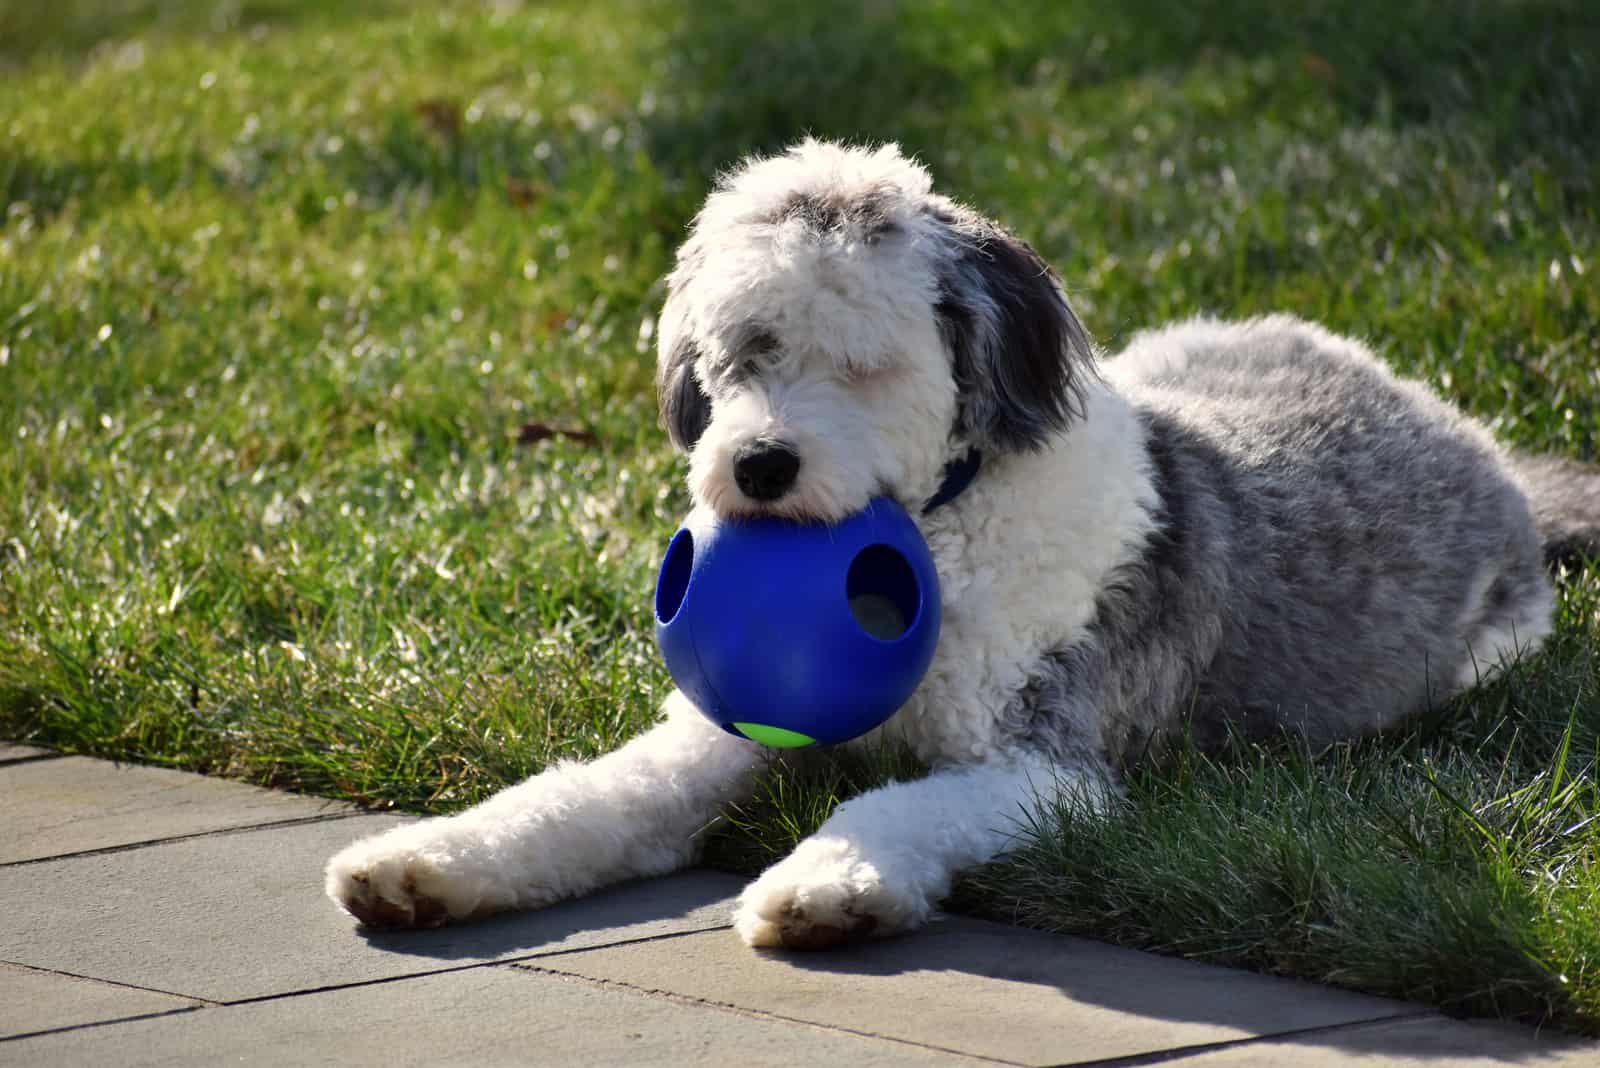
1332	542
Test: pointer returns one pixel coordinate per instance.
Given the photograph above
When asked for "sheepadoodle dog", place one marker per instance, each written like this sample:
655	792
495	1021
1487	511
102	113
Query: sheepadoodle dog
1231	527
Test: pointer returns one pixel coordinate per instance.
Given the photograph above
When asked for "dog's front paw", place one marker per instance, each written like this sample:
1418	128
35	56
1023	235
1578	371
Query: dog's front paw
423	875
827	893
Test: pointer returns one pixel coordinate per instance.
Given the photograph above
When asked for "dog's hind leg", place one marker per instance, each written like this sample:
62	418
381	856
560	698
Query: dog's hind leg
562	833
884	860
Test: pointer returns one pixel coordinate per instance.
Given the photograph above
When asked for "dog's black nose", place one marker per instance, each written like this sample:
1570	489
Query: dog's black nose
765	469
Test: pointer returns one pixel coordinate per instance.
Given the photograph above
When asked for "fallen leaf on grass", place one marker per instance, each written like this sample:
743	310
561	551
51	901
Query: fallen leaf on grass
1320	69
536	431
522	193
441	115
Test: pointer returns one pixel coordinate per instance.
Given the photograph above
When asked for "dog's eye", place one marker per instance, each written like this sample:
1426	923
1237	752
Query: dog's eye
752	349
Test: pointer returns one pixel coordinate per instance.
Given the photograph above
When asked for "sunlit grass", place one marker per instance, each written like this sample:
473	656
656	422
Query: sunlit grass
281	283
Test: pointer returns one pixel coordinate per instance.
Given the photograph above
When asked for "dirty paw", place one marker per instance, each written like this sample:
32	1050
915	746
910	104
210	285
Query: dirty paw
797	928
393	881
400	906
822	898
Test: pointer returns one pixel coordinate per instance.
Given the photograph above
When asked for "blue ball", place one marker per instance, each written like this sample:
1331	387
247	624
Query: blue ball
794	634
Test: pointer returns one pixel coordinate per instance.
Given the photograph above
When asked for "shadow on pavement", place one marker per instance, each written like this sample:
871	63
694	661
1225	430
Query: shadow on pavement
1144	985
692	901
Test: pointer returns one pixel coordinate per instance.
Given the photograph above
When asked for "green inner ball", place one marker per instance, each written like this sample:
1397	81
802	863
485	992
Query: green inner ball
776	737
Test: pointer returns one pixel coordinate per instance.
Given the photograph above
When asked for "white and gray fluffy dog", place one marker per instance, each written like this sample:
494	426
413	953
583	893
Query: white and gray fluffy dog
1245	527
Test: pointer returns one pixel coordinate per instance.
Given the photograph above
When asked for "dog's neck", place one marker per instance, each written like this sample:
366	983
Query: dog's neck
1024	552
1089	497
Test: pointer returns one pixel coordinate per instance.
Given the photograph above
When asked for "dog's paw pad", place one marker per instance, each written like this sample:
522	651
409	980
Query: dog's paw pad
797	930
412	910
391	884
804	909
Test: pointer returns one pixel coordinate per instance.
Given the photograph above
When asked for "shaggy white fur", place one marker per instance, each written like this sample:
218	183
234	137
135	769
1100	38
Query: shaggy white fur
1117	554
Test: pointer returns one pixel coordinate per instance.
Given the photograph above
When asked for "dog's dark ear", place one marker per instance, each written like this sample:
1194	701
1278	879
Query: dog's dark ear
685	408
1021	356
682	402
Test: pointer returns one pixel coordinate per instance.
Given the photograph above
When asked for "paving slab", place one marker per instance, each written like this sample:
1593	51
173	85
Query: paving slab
986	990
1431	1040
243	915
10	751
73	804
40	1001
483	1016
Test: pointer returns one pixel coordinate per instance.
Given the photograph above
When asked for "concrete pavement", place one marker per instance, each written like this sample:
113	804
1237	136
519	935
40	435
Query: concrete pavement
155	917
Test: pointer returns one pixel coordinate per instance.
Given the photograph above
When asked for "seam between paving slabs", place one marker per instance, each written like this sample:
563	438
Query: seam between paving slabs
1180	1053
102	1023
125	847
474	966
1135	1060
523	964
111	982
210	1004
749	1013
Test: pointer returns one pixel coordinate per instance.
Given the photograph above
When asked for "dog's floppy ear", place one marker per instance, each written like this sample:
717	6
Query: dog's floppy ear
1020	354
685	408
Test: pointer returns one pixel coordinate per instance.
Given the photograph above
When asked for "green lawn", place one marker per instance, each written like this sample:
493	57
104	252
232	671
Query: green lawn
282	283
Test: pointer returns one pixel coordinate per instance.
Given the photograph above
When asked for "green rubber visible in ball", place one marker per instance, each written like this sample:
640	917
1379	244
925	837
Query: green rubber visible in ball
776	737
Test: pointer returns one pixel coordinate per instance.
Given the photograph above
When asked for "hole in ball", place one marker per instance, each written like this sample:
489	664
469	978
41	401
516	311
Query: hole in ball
673	581
883	593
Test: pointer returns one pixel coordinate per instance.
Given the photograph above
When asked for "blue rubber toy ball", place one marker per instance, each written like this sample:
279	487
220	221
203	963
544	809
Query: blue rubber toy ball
793	634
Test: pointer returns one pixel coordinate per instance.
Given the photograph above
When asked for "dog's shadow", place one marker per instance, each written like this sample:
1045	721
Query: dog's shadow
1135	993
685	903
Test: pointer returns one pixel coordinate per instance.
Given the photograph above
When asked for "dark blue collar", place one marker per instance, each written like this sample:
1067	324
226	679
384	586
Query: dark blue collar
958	475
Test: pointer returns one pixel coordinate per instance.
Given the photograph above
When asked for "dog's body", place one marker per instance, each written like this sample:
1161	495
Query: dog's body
1249	527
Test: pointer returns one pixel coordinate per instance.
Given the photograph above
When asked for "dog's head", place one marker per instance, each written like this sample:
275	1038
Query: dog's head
834	330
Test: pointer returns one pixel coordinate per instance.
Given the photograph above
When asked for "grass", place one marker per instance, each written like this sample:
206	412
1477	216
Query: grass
282	284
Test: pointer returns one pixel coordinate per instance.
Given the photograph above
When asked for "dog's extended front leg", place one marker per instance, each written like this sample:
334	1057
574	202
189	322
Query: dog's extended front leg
883	860
569	830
